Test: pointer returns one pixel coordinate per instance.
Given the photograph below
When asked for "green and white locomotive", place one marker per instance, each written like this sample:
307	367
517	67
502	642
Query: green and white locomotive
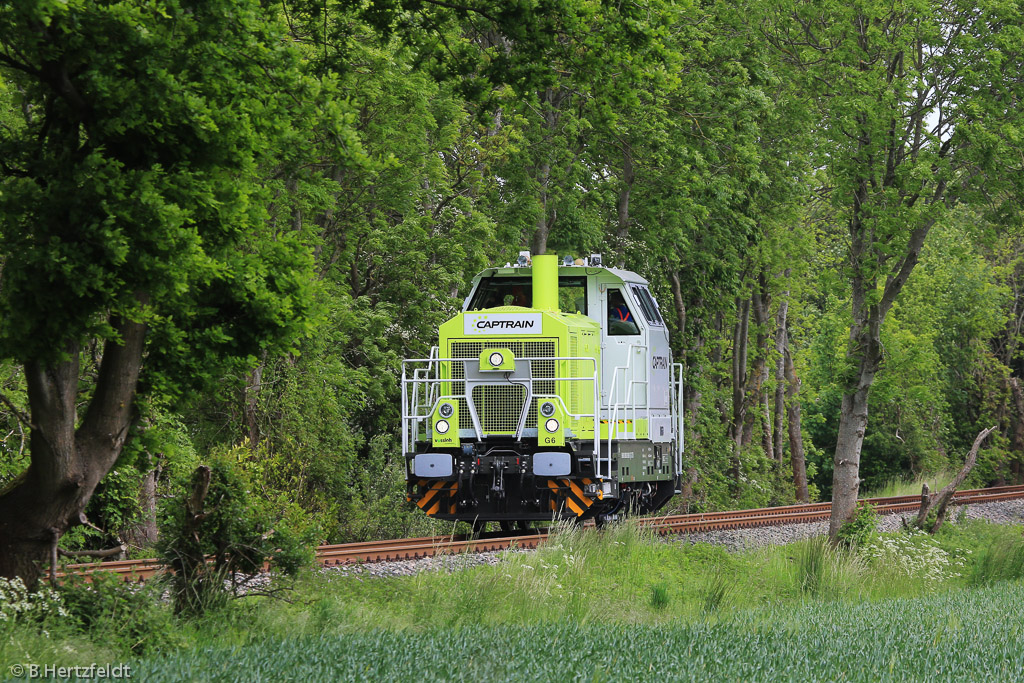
553	395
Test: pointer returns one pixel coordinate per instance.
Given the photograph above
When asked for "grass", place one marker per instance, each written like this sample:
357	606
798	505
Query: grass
909	487
944	637
590	591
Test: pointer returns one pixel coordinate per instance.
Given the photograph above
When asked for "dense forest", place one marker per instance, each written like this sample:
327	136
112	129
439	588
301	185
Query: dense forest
224	223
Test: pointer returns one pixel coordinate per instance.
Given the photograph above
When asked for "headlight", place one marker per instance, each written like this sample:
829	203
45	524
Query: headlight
547	409
496	359
442	426
446	410
551	425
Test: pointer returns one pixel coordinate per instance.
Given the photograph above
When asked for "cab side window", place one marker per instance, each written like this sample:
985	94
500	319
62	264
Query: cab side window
621	320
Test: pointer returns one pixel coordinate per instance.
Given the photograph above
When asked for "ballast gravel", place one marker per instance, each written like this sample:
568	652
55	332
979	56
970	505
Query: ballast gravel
1001	512
445	563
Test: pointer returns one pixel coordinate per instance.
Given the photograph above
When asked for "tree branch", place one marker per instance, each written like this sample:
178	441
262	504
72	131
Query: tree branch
24	419
109	552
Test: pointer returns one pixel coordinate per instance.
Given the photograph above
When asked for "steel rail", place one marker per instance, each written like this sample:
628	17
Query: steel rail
419	548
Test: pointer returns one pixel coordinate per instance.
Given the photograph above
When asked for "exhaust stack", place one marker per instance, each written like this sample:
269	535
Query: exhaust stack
545	282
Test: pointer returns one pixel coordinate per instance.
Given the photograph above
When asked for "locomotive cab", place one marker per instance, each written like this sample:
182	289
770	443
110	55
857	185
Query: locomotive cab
551	395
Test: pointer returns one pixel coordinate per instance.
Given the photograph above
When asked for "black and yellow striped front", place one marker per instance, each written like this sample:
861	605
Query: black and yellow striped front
569	493
439	496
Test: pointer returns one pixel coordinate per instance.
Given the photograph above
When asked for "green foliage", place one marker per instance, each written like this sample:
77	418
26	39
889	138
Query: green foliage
20	606
157	166
14	434
940	383
714	593
237	532
127	616
303	194
914	554
612	579
859	530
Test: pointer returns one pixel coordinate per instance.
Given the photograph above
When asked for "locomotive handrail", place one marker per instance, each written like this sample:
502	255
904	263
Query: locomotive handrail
677	369
627	405
420	374
422	381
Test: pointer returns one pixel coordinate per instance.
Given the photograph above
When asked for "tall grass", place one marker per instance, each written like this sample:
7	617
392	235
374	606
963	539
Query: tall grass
903	486
1001	561
826	571
714	594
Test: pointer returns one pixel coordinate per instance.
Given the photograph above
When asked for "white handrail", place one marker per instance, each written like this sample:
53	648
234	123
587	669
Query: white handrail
421	380
629	371
680	418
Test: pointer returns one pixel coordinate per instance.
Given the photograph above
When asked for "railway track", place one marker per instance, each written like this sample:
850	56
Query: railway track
417	548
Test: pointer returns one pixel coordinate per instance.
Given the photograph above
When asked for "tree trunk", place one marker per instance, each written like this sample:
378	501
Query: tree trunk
692	396
739	381
796	442
939	501
781	346
551	99
250	405
625	189
1017	444
757	398
864	351
144	533
50	497
853	422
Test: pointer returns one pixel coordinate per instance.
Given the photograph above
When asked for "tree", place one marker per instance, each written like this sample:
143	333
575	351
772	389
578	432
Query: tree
133	228
919	109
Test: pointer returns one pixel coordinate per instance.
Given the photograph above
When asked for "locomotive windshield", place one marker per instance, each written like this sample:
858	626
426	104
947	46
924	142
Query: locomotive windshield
518	291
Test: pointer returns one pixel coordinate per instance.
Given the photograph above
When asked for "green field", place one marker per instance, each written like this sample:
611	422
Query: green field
951	637
588	606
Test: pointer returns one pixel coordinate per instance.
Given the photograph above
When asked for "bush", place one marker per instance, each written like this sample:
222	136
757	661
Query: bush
19	606
859	530
125	616
210	541
913	554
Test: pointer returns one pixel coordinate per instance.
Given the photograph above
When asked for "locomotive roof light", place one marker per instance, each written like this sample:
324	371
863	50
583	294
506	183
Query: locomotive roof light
595	259
551	425
524	259
568	261
446	410
442	426
547	409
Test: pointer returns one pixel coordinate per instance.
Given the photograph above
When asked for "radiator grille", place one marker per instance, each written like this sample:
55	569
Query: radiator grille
515	394
499	407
